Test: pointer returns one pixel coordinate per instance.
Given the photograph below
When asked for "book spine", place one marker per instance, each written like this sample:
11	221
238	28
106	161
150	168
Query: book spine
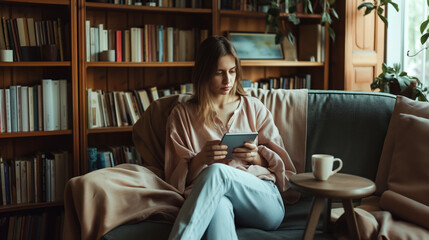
63	104
35	108
24	108
118	46
13	108
2	111
7	111
30	109
56	104
48	105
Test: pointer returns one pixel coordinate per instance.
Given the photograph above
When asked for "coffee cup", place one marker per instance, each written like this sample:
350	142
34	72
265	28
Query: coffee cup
322	166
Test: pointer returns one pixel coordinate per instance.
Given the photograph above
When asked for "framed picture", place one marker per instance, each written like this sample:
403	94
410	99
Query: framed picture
256	45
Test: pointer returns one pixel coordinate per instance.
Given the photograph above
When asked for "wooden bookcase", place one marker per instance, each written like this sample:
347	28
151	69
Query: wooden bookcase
16	145
124	76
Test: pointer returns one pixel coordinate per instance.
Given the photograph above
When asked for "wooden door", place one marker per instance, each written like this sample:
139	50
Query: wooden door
364	47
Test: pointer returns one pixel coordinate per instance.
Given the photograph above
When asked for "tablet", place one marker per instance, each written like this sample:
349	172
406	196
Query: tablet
234	140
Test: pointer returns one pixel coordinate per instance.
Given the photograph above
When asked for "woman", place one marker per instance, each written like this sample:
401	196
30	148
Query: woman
243	191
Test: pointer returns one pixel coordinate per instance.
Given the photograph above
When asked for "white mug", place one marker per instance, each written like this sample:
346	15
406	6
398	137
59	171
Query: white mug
322	166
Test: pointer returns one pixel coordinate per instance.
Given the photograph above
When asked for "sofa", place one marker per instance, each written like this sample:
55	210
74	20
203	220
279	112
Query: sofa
349	125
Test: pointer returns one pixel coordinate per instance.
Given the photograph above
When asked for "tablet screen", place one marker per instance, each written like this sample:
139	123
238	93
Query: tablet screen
234	140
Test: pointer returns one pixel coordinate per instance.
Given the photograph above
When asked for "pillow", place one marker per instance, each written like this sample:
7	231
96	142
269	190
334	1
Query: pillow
402	105
409	169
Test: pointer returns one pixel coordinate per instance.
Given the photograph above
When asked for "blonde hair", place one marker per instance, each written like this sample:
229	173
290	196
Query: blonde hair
206	65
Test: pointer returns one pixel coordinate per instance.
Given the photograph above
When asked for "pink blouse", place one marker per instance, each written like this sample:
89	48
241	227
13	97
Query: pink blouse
186	136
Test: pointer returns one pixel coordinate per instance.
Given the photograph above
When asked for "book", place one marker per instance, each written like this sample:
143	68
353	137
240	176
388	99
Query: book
13	108
56	104
7	110
24	109
88	40
48	105
2	111
23	176
31	32
60	159
92	159
127	96
40	107
154	93
30	109
118	46
63	103
17	170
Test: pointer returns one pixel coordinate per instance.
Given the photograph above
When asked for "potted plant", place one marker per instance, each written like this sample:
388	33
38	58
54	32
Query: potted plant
292	7
395	81
392	79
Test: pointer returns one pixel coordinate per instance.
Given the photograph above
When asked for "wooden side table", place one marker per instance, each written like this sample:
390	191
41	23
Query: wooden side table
340	186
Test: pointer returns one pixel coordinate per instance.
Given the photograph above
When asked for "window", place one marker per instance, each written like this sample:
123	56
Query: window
406	25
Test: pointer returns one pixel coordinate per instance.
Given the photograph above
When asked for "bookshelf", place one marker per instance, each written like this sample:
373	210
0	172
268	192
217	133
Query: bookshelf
24	143
127	76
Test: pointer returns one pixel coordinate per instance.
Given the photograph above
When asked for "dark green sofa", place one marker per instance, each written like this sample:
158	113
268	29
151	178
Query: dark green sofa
348	125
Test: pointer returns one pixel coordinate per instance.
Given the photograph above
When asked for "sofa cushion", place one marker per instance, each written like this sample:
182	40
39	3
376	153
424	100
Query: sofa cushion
402	105
349	125
409	174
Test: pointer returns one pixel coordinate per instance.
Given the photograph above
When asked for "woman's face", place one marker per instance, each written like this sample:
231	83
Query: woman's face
224	78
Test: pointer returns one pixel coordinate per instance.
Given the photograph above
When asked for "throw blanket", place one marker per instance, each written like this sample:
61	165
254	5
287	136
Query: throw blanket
102	200
380	218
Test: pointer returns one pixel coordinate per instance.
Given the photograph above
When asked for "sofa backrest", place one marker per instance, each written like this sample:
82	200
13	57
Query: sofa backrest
349	125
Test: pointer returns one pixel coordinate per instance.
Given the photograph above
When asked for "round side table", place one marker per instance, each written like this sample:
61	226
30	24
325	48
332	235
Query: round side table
340	186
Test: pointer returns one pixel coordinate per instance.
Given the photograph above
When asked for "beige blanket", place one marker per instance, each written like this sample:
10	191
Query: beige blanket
99	201
392	216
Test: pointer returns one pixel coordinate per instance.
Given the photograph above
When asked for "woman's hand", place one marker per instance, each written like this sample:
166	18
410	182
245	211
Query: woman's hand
249	153
212	152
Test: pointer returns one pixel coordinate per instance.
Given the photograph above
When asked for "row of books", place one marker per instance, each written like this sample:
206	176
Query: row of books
42	107
157	3
124	108
111	156
39	178
26	37
34	227
286	82
148	43
256	5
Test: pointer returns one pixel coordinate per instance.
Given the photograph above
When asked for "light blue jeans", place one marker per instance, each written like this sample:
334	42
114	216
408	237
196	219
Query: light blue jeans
223	196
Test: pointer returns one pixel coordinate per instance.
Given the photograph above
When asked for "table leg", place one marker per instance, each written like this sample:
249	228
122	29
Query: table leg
351	219
313	218
327	216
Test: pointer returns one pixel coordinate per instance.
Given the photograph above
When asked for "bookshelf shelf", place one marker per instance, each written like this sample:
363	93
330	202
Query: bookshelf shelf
279	63
140	64
35	134
122	7
35	64
238	13
28	206
110	130
51	2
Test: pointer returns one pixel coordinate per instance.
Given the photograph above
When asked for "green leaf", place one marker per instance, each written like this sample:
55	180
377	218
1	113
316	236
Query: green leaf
368	11
290	37
382	17
404	82
394	5
331	33
310	8
384	68
335	14
279	37
424	38
423	26
428	3
326	18
367	5
293	18
274	11
333	1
